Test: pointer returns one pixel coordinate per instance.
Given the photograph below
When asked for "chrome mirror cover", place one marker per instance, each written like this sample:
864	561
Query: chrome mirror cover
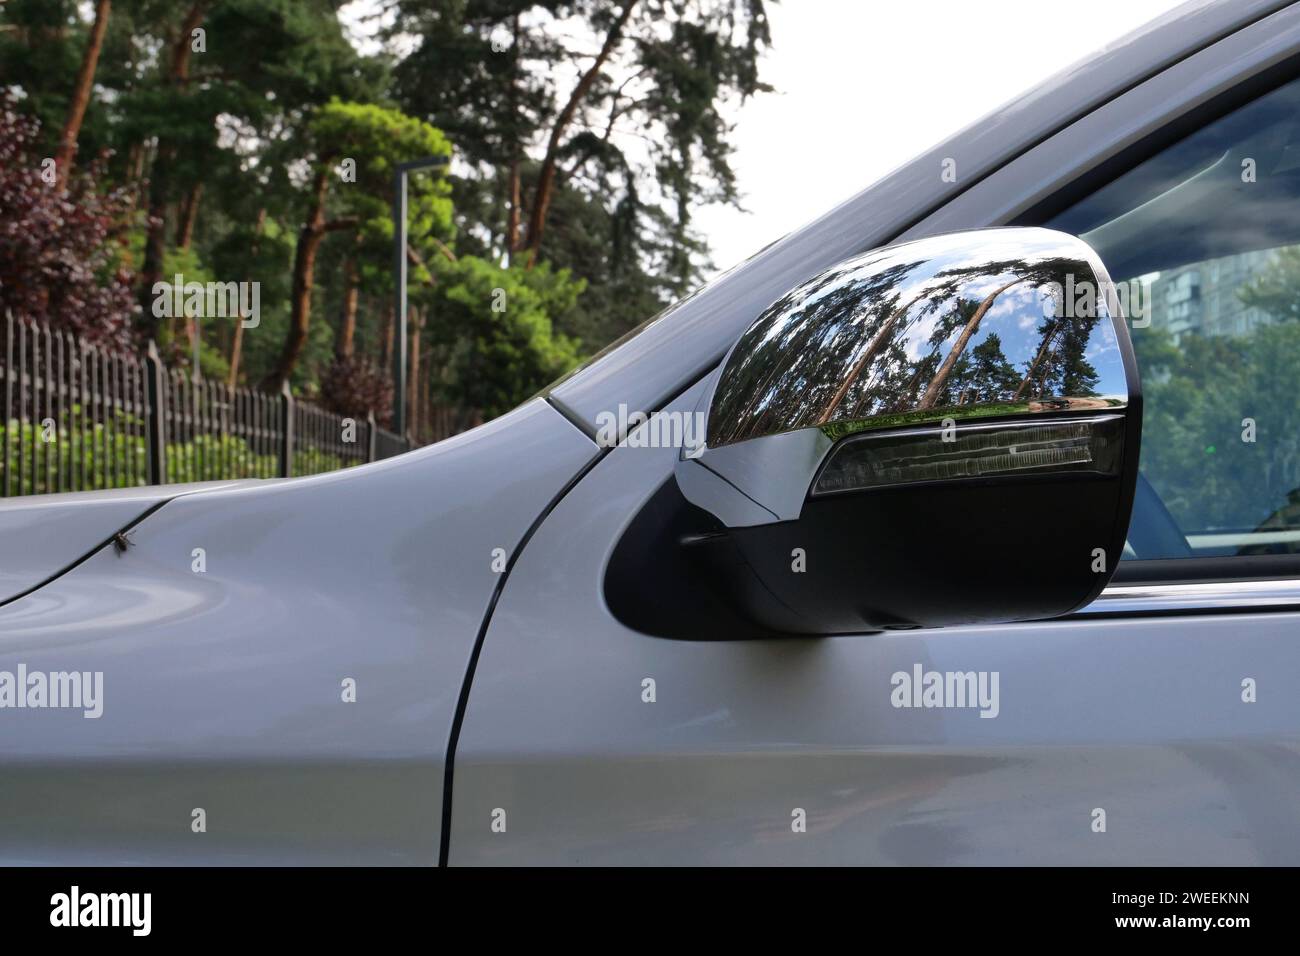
972	327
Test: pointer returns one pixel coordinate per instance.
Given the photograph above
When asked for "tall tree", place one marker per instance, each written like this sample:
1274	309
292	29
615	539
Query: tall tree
584	108
560	128
993	378
180	48
40	50
373	140
935	387
586	133
81	91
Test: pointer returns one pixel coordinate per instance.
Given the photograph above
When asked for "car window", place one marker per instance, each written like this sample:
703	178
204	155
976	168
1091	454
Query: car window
1203	242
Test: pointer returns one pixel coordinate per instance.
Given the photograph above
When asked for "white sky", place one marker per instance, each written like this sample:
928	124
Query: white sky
864	85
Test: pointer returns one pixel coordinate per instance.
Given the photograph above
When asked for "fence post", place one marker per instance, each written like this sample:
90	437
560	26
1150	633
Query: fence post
155	422
9	399
372	430
286	430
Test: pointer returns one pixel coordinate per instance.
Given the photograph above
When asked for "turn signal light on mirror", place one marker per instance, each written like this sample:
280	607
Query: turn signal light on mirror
962	452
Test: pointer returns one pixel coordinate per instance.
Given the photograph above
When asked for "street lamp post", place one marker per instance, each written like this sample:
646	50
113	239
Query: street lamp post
399	276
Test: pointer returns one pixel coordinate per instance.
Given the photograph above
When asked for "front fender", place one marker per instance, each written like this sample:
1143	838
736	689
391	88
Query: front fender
286	657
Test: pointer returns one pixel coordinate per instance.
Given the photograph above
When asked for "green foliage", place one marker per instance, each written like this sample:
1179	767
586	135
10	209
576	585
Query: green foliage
116	455
217	457
241	133
1277	288
626	277
494	76
1196	395
377	139
500	358
241	253
94	456
39	54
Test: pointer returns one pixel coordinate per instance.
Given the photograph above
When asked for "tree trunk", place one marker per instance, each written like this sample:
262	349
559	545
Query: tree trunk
304	268
546	176
390	323
878	342
136	165
236	349
237	335
348	318
140	181
1033	367
512	219
156	238
184	235
426	396
81	93
134	174
413	376
180	68
936	384
189	213
514	214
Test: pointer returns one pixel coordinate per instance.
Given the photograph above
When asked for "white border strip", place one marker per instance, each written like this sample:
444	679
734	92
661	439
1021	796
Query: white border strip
1228	595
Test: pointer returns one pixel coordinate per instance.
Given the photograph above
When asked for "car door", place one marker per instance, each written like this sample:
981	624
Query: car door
1158	726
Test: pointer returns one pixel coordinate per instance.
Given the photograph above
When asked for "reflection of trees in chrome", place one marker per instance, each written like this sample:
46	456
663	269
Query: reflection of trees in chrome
958	351
1060	365
863	341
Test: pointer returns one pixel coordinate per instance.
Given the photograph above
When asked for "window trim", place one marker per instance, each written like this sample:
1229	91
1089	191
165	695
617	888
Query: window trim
1129	129
1258	567
1193	597
1251	87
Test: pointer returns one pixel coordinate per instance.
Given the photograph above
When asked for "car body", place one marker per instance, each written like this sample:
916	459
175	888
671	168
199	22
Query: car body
415	661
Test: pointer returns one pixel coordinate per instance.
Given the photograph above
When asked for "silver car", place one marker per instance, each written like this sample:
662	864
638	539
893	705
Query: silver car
961	526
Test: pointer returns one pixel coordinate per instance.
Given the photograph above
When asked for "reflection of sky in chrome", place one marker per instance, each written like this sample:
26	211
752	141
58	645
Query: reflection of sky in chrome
837	347
1016	317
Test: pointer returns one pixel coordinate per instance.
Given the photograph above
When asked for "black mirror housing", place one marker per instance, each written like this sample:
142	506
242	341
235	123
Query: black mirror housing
936	433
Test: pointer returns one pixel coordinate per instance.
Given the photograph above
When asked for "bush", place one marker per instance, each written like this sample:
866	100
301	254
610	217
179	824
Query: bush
102	456
353	387
59	261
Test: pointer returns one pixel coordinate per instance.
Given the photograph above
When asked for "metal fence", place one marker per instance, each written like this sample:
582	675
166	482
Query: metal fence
79	417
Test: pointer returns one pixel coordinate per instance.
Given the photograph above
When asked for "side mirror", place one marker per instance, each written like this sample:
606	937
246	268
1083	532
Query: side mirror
935	433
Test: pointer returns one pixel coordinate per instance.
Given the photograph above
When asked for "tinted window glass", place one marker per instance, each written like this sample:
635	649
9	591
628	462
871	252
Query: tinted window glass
1204	240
